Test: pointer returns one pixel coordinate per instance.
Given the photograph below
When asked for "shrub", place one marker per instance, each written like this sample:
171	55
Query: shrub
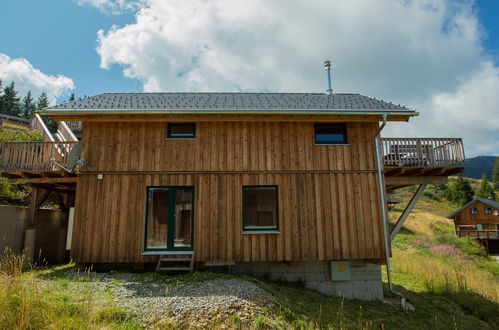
464	244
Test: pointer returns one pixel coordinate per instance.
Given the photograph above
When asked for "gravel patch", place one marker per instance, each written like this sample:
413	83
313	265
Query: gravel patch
155	301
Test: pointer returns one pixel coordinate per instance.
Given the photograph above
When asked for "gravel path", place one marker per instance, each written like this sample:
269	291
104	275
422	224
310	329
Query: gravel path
154	301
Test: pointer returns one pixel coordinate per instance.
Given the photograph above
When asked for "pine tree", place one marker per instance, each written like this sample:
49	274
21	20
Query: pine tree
28	106
459	191
485	190
495	175
11	103
42	103
71	97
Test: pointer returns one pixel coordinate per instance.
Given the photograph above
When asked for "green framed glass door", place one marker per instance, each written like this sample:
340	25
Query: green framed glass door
169	219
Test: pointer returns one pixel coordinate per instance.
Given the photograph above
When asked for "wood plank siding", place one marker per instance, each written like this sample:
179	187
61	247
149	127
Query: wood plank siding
328	201
225	147
466	218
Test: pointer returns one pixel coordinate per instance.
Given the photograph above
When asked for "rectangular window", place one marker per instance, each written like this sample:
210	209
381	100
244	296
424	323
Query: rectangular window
169	217
260	208
181	130
474	211
330	133
488	210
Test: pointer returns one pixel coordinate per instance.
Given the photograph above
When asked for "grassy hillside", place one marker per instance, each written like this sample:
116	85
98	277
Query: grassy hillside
477	166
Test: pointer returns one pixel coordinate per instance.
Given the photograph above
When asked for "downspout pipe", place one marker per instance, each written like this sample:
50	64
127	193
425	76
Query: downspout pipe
383	213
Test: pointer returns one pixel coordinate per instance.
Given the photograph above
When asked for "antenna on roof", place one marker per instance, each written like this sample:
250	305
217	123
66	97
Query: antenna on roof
327	65
73	159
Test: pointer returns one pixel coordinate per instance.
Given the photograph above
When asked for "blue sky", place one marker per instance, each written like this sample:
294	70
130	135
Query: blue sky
440	57
59	37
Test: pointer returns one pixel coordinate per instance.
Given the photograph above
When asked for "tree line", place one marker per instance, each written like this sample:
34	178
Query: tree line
461	192
13	105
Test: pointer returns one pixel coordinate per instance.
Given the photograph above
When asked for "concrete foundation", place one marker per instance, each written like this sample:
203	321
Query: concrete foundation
365	278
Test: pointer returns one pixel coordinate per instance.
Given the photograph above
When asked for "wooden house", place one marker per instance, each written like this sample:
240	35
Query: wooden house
479	219
286	184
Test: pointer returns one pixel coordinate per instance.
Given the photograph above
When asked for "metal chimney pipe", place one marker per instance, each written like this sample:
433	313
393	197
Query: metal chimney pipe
327	65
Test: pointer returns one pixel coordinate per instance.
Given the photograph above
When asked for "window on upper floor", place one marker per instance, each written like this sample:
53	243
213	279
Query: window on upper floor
330	133
260	208
488	210
181	131
474	211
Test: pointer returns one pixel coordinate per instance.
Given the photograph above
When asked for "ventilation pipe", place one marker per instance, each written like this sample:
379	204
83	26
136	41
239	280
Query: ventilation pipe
327	65
384	215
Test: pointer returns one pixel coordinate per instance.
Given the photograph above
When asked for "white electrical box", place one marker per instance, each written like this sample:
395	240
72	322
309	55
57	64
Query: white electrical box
340	271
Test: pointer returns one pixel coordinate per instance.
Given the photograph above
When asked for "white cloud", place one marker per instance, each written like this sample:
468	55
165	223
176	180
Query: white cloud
26	78
417	52
113	7
471	111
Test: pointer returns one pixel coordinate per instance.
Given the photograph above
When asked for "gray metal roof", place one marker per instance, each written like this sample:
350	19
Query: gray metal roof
228	103
488	202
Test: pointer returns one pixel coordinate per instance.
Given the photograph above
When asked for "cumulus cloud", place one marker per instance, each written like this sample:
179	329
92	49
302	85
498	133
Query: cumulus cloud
416	52
471	111
27	78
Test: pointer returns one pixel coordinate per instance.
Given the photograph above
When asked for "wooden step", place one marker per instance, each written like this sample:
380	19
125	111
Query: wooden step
174	268
165	258
176	259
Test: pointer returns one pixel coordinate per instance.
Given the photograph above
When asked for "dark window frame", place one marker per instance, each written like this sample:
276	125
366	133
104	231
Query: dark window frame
488	211
274	229
474	211
169	246
169	131
344	128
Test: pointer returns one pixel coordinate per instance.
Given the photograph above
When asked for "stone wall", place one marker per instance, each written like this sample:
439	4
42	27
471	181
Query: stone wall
365	281
14	221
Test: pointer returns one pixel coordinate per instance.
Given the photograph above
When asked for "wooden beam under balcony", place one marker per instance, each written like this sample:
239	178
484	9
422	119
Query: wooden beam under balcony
414	180
43	180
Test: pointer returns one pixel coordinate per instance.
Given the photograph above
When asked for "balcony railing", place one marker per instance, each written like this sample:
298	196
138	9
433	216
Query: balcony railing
479	234
33	156
423	152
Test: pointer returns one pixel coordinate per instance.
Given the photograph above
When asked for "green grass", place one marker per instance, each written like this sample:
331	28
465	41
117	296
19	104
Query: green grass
431	263
29	301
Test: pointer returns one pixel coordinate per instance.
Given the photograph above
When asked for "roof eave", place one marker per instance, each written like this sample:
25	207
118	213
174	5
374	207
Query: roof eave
248	112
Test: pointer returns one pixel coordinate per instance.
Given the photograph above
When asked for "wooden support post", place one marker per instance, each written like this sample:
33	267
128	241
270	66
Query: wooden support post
407	211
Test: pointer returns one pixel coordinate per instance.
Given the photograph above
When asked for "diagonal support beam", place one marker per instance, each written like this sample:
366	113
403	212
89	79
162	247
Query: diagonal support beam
407	211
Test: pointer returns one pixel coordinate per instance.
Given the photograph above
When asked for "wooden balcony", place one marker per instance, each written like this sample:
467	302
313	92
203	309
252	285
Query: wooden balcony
422	152
34	156
479	234
31	162
411	161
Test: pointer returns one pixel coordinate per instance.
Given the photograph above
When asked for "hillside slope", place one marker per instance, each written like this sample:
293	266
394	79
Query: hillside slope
475	167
